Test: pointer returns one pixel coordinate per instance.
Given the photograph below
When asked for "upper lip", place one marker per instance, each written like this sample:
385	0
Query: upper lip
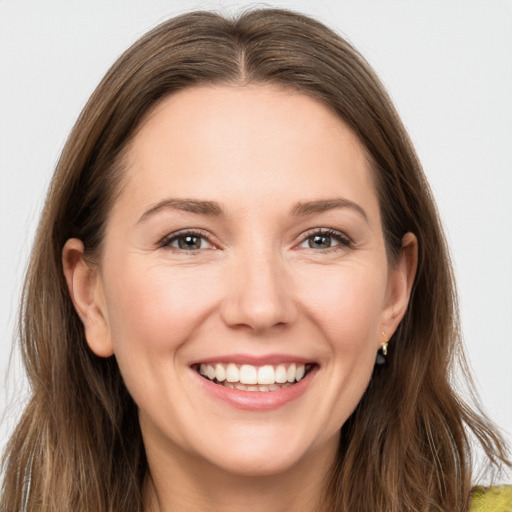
254	360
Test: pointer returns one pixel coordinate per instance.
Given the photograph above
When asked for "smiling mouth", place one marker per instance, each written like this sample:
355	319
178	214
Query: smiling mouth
247	377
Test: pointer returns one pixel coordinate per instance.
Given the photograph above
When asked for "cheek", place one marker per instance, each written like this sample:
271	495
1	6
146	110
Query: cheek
156	308
347	304
346	309
153	312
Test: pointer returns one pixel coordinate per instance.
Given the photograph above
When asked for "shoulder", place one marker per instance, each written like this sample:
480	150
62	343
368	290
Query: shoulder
491	499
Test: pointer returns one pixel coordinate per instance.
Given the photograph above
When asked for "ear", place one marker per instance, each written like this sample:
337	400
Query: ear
86	291
400	281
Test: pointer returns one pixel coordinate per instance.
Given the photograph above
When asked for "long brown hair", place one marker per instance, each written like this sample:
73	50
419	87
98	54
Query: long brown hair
78	443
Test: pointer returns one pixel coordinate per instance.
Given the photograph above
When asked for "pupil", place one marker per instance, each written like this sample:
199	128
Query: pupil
190	242
321	241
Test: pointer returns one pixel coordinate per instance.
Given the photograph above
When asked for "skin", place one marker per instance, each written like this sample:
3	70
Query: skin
257	285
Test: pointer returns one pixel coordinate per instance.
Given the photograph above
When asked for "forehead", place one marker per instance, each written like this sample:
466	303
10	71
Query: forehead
255	142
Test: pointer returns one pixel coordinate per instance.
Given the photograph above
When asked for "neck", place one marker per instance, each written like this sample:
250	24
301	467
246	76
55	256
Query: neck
186	484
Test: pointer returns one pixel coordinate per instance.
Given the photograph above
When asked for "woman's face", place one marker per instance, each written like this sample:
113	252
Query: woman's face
246	244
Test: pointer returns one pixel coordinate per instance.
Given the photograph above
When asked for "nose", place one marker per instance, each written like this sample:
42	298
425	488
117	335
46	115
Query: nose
259	294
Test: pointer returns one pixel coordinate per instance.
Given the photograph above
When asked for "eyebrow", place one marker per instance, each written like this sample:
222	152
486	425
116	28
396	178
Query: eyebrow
212	208
187	205
303	209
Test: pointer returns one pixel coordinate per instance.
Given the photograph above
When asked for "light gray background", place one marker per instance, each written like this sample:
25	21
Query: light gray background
447	65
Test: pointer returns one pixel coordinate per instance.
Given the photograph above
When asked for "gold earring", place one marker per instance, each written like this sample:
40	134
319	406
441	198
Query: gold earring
383	351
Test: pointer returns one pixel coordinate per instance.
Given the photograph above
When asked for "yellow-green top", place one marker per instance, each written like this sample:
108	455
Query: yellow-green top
492	499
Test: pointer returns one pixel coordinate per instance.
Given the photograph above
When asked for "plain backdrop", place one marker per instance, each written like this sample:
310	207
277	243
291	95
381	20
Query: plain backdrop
447	65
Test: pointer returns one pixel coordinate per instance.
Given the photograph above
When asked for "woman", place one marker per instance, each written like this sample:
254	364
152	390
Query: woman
240	297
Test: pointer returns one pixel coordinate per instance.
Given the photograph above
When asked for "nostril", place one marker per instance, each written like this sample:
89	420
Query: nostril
259	299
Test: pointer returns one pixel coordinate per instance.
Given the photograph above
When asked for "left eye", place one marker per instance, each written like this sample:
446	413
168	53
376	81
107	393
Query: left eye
324	240
187	242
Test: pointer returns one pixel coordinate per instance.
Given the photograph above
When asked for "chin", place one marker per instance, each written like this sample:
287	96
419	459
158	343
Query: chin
262	452
255	464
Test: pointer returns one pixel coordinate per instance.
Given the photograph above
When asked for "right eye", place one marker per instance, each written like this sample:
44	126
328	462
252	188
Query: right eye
187	241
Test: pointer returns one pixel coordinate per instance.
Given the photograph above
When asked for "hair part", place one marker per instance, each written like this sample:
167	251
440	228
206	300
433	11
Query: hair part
407	440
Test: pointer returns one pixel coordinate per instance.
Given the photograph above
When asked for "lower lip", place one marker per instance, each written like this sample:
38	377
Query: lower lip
257	400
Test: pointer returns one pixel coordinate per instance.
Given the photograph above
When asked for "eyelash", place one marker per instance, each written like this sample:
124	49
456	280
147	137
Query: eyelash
169	239
343	240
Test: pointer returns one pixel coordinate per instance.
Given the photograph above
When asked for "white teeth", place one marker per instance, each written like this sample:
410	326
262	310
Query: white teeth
290	374
220	373
266	375
210	372
280	374
254	378
232	373
248	374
